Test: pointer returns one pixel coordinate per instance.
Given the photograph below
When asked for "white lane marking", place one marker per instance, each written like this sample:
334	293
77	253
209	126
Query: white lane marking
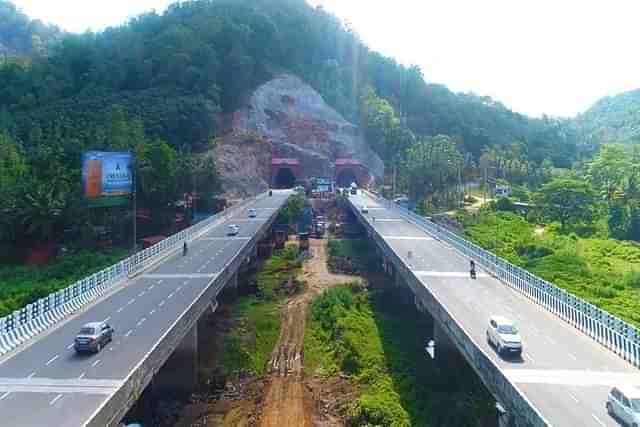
551	340
447	274
161	303
529	358
141	321
406	238
152	311
55	399
94	364
141	294
185	282
107	319
70	346
584	378
128	333
120	310
151	287
131	301
572	356
81	376
575	399
110	348
31	375
183	276
5	395
170	295
160	282
598	420
51	360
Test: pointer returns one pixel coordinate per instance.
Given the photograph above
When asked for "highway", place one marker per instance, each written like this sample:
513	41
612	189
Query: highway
565	374
46	384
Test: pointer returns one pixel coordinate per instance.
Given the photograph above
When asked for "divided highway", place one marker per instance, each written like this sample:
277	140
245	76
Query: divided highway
46	384
563	373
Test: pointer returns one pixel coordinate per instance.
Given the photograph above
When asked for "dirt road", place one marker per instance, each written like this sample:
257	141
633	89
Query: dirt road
286	401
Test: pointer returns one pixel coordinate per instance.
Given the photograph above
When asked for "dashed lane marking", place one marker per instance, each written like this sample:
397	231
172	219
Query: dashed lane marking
53	359
94	364
58	386
583	378
447	274
128	333
405	237
183	276
598	420
55	399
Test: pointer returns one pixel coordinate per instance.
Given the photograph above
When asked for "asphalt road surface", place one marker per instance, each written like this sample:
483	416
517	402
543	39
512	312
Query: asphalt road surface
47	384
564	373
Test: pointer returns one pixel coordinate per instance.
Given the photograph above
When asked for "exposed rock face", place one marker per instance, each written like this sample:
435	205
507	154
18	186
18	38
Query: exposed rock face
290	120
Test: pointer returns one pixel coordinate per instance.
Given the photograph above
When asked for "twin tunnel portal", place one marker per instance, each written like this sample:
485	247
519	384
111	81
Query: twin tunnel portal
287	172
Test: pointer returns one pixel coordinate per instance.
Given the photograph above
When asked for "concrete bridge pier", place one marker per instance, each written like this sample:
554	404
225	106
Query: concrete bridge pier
179	374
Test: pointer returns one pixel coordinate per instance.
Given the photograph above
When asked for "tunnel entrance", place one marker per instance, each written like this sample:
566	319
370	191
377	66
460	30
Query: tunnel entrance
285	178
346	177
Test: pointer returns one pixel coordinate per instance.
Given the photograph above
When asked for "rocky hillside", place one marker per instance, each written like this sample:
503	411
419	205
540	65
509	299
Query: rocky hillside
612	119
287	118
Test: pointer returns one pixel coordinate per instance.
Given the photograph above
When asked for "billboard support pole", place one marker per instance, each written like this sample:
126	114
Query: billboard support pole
135	203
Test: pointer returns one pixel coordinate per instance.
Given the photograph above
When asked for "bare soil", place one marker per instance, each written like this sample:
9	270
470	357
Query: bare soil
284	397
288	401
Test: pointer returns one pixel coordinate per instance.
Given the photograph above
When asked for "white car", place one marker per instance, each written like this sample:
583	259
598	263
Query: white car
364	209
232	230
623	403
504	336
253	213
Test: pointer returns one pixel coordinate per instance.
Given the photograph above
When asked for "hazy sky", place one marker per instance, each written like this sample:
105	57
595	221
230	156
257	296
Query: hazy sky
536	56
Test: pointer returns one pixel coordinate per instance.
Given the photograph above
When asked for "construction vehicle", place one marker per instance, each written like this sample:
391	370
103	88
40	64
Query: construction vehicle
304	241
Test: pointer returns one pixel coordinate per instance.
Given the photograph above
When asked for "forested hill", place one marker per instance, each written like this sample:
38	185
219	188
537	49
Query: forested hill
22	37
175	71
612	119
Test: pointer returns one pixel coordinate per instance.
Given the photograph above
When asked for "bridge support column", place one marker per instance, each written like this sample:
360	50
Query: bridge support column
180	372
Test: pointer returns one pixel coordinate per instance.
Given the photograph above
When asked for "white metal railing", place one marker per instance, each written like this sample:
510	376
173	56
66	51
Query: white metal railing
613	333
23	324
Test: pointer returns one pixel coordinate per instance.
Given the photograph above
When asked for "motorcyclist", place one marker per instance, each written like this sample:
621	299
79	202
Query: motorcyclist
184	249
270	193
472	269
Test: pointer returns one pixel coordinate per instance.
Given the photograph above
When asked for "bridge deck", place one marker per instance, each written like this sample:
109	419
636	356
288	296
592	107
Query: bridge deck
565	374
47	384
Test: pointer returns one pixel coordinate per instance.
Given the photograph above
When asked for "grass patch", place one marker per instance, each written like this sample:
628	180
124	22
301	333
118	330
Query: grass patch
280	268
380	347
22	285
256	318
248	346
604	272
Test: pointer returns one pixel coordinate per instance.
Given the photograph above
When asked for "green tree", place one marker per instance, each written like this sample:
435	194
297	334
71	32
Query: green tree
568	201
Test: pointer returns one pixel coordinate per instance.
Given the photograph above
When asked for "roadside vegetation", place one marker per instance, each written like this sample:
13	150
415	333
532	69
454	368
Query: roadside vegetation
603	271
379	346
359	251
24	284
256	317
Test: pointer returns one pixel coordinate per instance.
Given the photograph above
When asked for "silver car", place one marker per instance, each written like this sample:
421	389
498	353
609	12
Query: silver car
252	213
232	229
504	336
92	337
623	403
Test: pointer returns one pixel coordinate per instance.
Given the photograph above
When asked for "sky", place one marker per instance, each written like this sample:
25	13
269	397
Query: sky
554	57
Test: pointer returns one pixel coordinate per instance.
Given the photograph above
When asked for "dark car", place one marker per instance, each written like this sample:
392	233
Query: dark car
93	336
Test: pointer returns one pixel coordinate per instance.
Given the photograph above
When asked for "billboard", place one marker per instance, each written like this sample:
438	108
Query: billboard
107	178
